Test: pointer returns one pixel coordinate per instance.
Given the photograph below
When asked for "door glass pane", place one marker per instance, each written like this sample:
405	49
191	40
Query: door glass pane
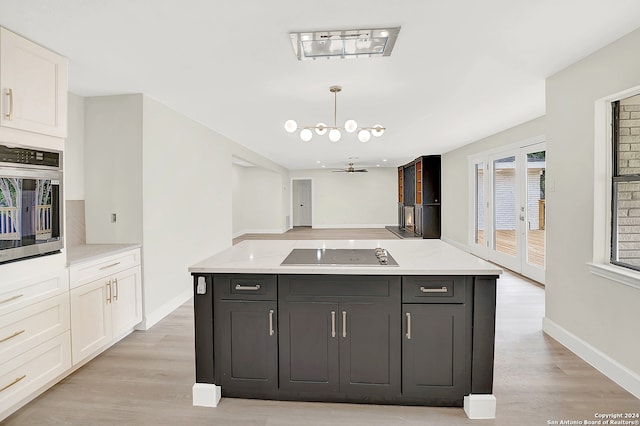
479	215
536	208
504	196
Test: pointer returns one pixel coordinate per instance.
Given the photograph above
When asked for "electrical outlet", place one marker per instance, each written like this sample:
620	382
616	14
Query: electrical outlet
113	218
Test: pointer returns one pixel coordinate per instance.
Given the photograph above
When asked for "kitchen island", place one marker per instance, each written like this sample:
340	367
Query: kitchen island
337	324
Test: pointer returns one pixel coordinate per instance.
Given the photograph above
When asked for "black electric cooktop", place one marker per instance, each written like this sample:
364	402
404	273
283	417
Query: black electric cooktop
339	257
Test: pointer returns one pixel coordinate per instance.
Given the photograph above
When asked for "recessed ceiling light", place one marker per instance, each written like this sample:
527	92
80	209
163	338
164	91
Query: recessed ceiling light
384	160
344	43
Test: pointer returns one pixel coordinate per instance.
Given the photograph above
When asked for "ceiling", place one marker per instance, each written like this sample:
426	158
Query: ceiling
460	70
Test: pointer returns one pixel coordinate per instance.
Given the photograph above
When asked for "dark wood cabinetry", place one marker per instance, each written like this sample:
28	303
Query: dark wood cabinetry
340	334
245	326
354	338
419	186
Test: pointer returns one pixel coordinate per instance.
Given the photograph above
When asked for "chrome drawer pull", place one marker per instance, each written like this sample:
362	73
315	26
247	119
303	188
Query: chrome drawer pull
17	333
408	315
110	266
17	296
13	383
271	322
443	289
248	287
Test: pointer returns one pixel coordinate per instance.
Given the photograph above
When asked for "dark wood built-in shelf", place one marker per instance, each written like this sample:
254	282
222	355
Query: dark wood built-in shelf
419	189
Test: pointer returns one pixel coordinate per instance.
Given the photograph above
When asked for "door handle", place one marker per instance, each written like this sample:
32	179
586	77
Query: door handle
109	292
408	315
117	290
333	323
271	331
344	323
9	114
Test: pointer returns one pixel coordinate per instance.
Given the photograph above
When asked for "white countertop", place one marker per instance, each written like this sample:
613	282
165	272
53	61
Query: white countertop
414	257
87	252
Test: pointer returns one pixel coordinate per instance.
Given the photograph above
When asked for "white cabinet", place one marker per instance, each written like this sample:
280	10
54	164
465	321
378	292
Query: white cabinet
106	309
34	86
35	344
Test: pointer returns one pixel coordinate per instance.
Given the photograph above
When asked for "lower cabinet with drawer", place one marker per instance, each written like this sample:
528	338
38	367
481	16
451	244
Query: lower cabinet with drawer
106	309
414	340
35	343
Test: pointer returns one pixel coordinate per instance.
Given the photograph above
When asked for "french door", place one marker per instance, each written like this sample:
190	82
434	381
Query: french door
508	210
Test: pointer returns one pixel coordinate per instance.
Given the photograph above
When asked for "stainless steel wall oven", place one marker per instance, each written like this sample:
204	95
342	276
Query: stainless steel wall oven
30	202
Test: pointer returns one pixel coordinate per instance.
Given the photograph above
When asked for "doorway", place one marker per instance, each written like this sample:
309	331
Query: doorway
301	202
509	210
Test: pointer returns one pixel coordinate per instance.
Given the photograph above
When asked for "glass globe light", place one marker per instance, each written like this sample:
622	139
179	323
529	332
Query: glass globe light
364	135
334	135
377	131
321	129
290	126
350	126
306	135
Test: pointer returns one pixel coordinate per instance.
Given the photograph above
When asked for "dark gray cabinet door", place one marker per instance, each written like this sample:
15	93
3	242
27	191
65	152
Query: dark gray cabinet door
370	348
433	351
309	347
247	353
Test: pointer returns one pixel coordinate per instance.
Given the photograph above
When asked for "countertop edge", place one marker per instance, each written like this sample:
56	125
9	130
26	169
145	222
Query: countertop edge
89	252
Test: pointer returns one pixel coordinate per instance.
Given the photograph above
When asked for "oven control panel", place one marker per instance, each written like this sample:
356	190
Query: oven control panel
27	156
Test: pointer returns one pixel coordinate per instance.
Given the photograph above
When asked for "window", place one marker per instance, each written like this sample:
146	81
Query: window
625	209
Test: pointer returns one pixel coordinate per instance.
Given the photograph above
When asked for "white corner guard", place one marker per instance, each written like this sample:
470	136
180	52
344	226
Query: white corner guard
206	395
480	406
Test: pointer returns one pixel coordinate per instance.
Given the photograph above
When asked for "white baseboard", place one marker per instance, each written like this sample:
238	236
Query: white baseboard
206	394
456	244
258	231
611	368
480	406
154	317
353	225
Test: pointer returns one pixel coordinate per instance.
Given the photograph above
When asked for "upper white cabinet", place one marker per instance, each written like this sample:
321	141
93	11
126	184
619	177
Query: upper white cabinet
34	86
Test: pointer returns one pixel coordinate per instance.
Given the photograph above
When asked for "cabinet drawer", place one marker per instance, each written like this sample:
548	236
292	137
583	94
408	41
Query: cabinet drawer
416	289
23	375
25	328
338	287
245	287
90	271
18	294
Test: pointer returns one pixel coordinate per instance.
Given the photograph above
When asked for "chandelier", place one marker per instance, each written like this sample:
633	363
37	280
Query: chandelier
350	126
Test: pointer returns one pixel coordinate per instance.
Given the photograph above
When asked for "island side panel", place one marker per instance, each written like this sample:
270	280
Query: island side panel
484	327
203	323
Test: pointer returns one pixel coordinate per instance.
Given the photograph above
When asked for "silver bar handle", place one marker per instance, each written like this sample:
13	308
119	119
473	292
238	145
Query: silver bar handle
442	289
408	315
116	289
248	287
344	323
110	266
17	333
109	291
333	323
13	383
271	331
9	114
17	296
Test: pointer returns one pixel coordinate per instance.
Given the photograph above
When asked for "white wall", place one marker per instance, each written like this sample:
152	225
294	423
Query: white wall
600	312
74	149
170	181
342	200
113	172
257	200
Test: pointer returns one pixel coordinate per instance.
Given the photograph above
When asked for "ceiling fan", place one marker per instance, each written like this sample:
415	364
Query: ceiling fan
351	169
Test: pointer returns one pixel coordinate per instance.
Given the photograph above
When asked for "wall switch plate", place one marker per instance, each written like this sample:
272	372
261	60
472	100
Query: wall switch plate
113	218
201	288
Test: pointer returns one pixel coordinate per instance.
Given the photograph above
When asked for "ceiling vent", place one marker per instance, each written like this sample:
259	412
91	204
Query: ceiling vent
342	44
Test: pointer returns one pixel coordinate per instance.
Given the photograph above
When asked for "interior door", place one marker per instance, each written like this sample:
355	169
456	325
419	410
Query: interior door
301	201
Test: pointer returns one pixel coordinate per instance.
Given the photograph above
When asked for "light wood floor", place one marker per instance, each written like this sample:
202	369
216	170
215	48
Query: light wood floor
146	379
506	243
